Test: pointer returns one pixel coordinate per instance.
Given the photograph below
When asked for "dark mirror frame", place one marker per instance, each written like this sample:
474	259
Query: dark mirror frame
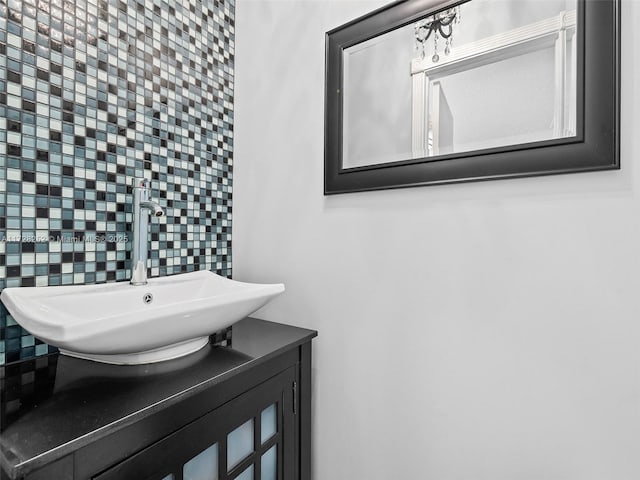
595	147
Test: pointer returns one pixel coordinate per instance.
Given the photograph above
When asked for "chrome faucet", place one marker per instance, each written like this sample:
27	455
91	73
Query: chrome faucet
142	207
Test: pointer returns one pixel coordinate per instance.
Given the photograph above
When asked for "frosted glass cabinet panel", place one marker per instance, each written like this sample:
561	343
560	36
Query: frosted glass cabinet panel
269	464
203	466
268	426
246	475
239	444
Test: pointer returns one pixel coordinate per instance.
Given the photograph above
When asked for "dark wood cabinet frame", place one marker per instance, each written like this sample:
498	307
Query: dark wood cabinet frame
595	147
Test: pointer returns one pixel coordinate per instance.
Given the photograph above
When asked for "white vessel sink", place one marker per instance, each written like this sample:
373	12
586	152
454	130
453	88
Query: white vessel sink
124	324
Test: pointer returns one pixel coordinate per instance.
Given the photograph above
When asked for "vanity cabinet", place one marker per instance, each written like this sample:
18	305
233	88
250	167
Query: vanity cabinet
240	411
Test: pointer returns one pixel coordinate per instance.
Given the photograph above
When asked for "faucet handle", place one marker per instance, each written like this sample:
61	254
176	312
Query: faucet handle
140	182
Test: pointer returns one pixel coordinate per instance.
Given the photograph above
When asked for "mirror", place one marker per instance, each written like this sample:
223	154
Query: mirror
471	90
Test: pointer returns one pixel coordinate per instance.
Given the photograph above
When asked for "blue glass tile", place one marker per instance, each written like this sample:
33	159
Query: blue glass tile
12	247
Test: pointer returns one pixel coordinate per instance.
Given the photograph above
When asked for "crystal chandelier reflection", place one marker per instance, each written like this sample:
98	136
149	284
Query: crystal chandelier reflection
441	26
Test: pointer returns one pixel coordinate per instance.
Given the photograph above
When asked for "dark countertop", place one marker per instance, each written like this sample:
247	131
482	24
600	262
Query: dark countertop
52	406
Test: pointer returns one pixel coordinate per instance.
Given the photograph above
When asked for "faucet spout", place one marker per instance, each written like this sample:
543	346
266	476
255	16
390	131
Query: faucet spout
142	207
155	209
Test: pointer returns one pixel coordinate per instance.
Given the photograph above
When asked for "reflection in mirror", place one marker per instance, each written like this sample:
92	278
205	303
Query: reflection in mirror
484	74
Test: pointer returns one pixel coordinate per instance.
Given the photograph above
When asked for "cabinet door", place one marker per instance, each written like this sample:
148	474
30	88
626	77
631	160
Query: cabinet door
252	437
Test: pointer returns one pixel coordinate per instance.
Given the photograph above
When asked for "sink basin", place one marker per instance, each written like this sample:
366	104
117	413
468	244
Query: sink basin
123	324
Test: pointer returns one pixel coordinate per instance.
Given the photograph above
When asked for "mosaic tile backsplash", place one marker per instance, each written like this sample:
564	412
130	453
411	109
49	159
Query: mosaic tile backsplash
92	94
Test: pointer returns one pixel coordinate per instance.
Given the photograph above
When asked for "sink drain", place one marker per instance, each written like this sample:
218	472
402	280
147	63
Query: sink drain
148	298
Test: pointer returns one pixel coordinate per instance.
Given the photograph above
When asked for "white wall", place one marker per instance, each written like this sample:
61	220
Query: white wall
481	331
